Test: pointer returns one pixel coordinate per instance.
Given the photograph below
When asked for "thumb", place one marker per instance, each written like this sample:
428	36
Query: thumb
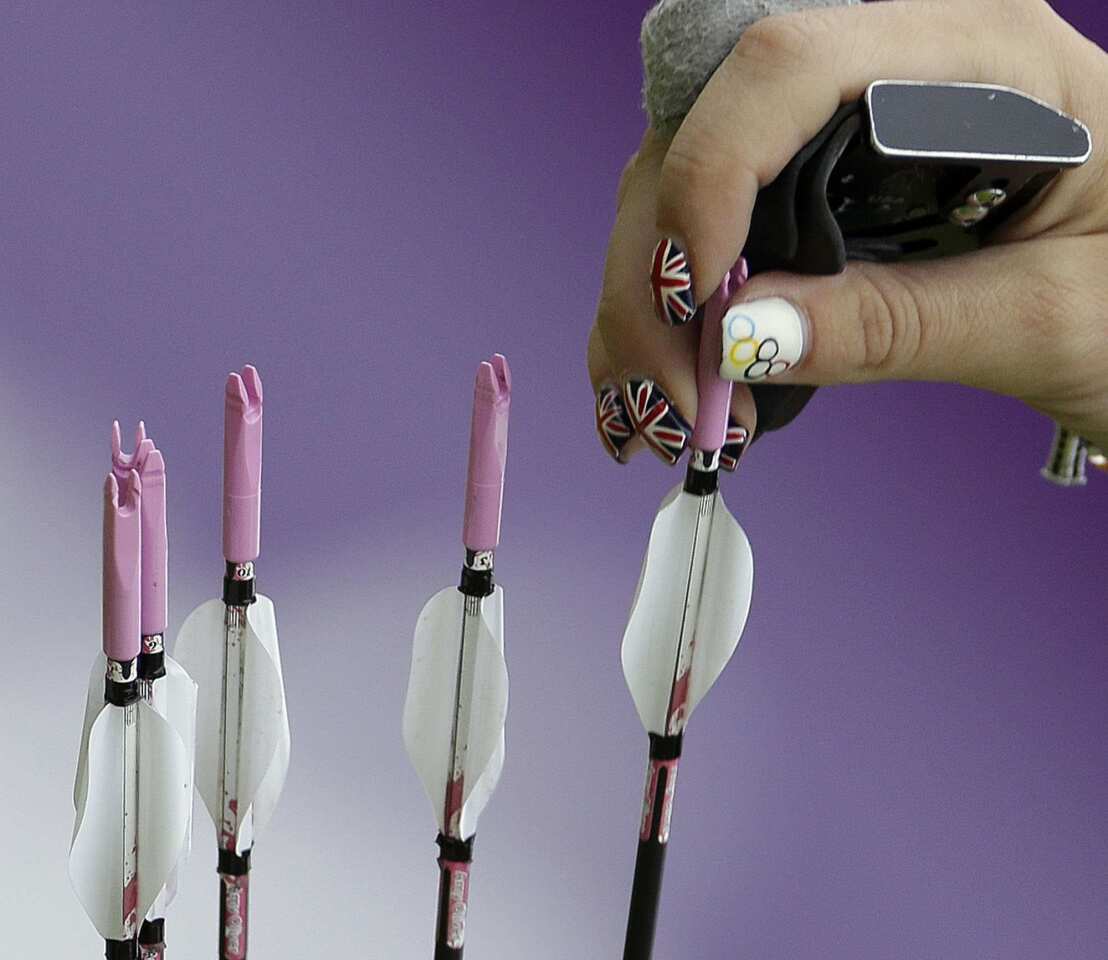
1013	319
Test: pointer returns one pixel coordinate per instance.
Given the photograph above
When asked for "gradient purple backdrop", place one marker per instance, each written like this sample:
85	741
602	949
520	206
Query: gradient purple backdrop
906	758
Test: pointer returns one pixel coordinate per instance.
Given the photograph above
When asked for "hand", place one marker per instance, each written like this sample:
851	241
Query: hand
1024	317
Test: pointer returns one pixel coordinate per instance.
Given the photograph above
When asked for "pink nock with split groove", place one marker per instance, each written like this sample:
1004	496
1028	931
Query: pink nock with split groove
488	453
155	550
242	466
124	463
150	464
122	565
714	393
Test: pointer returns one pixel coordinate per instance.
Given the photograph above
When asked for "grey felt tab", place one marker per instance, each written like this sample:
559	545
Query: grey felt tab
683	41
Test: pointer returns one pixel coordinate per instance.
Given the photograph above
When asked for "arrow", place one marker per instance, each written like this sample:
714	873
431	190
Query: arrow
686	619
230	648
131	795
163	684
457	697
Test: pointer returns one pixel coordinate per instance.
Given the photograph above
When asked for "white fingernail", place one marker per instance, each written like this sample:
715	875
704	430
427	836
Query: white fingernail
762	339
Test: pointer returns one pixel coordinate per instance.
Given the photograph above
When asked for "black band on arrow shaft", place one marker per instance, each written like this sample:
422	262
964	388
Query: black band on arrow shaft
476	578
459	851
151	666
665	748
232	864
701	483
152	933
121	683
120	949
238	584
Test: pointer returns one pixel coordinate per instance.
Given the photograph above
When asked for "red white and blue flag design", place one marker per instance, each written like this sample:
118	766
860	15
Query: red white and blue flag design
733	446
611	421
655	420
671	284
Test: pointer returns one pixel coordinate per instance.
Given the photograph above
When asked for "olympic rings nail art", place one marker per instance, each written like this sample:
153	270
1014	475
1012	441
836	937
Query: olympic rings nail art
761	339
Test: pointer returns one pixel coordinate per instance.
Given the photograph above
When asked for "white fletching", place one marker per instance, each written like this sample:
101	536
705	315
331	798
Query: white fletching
264	756
430	706
175	697
689	586
96	856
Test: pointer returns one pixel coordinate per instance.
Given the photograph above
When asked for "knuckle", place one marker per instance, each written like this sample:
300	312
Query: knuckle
889	336
781	41
1059	301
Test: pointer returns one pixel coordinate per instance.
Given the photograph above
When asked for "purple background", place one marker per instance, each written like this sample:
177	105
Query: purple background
906	758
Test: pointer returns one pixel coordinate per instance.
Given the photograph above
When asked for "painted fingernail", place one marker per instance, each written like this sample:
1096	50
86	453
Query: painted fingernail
733	446
654	419
671	284
611	421
762	339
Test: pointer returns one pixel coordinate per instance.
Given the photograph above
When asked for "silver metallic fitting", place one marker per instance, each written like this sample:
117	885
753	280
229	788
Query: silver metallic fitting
1065	465
704	461
121	671
479	559
243	571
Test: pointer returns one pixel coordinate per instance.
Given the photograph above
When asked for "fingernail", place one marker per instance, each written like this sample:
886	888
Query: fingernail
733	446
611	421
654	419
762	339
671	284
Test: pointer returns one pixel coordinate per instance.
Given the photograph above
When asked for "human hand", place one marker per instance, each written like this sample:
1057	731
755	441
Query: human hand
1021	317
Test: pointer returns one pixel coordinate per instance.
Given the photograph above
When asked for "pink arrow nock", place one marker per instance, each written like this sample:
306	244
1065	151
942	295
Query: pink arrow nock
488	453
122	564
242	466
150	464
124	463
714	393
155	548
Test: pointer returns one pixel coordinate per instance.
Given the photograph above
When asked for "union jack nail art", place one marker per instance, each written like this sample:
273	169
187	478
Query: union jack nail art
655	420
611	421
733	446
671	284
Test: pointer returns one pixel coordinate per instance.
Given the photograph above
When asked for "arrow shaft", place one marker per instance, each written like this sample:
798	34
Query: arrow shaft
646	888
456	851
230	724
450	928
130	818
151	668
234	826
463	710
702	481
677	713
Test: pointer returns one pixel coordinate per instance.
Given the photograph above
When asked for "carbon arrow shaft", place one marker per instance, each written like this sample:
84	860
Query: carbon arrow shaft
456	854
151	669
234	867
701	480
